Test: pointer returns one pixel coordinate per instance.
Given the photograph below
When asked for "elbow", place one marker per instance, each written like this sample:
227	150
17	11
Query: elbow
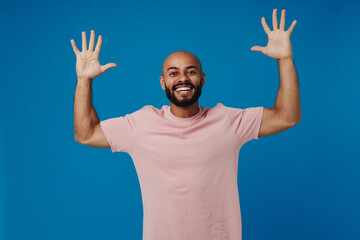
293	123
79	139
82	137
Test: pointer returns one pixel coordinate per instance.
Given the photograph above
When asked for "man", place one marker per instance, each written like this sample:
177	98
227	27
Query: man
186	156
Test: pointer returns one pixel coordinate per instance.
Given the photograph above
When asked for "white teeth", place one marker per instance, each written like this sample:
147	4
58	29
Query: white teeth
183	89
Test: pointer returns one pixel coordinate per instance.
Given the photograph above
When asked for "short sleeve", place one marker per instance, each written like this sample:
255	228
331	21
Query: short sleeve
120	131
245	122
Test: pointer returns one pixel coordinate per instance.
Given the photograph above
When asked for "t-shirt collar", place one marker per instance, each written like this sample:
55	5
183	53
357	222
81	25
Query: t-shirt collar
171	116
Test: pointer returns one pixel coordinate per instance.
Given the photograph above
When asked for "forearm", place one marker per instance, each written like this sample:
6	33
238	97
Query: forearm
85	117
288	98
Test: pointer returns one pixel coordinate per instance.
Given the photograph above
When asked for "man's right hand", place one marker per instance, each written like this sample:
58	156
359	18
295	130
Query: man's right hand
87	61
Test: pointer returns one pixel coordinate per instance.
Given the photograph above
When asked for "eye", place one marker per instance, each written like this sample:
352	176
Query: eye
192	72
172	73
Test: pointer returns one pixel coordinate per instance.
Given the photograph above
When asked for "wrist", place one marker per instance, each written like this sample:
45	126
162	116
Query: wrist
84	79
84	82
283	59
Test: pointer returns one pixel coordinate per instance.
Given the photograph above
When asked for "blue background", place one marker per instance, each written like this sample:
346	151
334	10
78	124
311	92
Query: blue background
302	183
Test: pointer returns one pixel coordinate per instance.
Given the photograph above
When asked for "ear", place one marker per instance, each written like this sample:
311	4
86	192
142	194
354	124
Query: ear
203	79
162	82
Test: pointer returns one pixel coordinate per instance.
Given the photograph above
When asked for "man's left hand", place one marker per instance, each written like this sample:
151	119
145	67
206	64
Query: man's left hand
279	45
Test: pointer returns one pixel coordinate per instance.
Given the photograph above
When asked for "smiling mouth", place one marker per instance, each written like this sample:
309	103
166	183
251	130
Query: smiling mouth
184	90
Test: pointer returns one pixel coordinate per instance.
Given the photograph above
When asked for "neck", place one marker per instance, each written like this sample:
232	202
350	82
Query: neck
184	112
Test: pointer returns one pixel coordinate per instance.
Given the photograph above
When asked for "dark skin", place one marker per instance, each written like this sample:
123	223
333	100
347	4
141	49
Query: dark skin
284	115
182	68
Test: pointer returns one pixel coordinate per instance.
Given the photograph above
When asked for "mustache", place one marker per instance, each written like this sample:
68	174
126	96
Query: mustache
184	84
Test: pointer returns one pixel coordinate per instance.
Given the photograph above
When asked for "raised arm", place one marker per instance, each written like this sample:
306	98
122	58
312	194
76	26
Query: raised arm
287	112
86	122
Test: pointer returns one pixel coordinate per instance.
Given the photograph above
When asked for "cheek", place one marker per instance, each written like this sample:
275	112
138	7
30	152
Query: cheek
168	85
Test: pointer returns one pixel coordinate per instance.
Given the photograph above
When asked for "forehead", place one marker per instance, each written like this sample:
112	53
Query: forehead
180	60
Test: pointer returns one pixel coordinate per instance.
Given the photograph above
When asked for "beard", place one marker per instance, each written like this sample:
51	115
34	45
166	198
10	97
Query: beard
184	102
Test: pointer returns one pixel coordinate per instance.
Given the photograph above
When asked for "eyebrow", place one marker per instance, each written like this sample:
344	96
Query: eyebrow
192	66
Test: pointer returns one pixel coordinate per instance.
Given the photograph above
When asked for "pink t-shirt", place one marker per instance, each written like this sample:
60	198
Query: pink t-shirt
187	168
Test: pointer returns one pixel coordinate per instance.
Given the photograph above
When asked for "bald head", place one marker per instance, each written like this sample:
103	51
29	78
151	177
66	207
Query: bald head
180	56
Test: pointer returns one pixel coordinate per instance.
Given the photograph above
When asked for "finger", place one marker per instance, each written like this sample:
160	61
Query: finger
107	67
76	51
92	40
275	21
282	20
98	45
291	27
265	26
258	49
84	48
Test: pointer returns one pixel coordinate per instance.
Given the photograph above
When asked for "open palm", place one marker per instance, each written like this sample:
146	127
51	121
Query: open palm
87	61
279	45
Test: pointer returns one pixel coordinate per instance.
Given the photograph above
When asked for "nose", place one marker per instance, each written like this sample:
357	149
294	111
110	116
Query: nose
183	76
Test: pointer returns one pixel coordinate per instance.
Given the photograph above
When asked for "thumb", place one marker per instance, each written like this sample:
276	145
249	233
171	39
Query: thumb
258	49
107	67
